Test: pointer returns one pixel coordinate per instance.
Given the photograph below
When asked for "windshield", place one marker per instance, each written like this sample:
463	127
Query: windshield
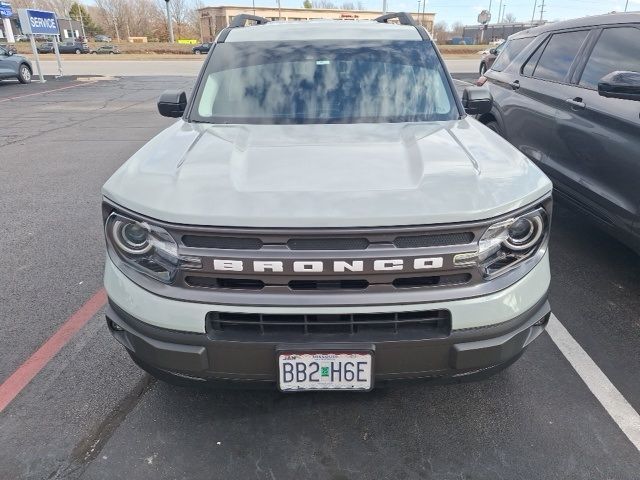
332	82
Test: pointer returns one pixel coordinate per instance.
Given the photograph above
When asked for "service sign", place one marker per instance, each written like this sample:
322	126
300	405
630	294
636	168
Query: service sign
37	22
5	10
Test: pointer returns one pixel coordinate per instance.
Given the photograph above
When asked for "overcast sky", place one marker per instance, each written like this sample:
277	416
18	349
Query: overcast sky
467	11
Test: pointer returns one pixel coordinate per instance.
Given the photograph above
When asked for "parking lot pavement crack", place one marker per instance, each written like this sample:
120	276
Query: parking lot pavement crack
90	447
74	122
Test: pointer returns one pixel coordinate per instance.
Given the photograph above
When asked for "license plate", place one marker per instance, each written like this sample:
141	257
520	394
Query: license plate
325	371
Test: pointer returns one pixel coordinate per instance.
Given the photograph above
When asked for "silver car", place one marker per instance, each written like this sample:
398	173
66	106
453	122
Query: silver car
14	66
326	214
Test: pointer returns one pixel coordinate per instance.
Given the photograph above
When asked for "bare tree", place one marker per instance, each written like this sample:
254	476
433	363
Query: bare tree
441	32
509	18
324	4
348	6
456	29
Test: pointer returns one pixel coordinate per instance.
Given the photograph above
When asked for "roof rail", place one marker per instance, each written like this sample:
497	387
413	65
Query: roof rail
241	20
403	17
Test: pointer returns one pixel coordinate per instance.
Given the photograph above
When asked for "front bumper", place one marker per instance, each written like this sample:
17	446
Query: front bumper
488	332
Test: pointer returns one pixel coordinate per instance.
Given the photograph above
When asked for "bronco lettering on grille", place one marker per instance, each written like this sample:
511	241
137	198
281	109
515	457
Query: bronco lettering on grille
318	266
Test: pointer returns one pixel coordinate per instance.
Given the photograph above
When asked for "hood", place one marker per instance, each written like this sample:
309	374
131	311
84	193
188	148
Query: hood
326	175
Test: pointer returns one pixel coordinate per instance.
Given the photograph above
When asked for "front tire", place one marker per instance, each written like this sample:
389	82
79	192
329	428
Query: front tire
24	74
198	52
78	52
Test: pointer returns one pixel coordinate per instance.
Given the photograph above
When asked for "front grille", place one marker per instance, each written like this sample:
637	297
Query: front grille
225	243
320	284
432	281
328	243
436	240
328	284
433	323
232	283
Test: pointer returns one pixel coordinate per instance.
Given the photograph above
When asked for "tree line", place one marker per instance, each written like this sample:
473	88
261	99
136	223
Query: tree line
126	18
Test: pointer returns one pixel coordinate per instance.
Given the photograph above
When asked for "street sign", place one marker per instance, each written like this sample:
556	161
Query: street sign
37	22
484	17
5	10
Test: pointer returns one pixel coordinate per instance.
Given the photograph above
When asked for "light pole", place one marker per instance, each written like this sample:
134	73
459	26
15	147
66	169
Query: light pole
419	12
384	6
169	23
626	6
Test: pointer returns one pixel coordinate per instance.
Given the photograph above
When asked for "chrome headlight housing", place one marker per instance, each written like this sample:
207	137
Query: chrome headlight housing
508	243
147	248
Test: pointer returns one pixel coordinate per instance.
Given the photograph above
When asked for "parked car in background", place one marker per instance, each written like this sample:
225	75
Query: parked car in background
74	47
102	38
21	38
14	66
45	47
106	49
489	58
202	48
567	95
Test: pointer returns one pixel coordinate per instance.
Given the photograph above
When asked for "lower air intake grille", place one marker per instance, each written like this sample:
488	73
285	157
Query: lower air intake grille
436	323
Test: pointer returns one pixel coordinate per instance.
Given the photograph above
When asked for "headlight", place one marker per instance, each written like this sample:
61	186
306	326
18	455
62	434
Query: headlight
147	248
508	243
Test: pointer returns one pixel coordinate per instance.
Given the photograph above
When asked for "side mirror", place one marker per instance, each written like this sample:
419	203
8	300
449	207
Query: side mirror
624	85
172	103
493	51
477	100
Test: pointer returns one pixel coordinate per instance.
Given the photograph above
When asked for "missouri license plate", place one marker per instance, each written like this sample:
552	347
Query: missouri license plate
325	371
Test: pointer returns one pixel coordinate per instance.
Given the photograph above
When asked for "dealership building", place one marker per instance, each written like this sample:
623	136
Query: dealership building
214	19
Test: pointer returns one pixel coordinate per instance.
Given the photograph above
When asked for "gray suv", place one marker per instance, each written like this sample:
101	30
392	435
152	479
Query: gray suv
14	66
326	215
567	95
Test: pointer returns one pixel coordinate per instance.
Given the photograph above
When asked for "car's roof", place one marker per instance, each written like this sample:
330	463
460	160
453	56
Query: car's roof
591	21
323	30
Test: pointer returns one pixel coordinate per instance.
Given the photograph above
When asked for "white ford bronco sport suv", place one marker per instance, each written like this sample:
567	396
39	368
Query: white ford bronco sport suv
325	214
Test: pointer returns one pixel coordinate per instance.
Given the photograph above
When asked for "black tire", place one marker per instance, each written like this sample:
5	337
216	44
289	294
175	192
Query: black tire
483	68
111	53
78	51
493	125
24	73
198	52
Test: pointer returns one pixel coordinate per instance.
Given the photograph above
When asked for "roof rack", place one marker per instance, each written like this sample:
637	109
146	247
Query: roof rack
403	17
241	20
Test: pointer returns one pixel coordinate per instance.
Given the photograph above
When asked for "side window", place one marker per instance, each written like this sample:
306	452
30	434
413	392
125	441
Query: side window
617	49
530	66
557	57
511	50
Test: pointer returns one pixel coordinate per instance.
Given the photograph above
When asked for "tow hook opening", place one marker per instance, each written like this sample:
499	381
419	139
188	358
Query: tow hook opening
114	326
543	321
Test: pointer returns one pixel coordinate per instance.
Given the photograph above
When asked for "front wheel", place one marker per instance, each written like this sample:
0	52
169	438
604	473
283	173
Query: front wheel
24	74
198	52
78	52
111	53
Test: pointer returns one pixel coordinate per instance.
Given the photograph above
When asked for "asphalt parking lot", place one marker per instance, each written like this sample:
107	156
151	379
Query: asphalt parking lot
89	413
